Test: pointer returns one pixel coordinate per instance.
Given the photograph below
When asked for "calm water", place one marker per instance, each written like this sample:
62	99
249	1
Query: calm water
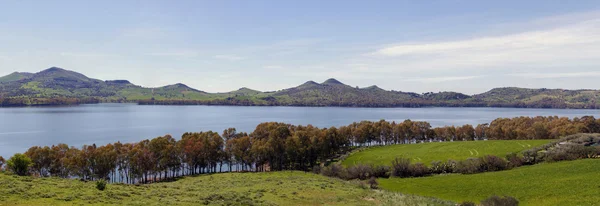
21	128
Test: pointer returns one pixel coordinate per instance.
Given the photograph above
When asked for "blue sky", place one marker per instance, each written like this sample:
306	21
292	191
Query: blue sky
218	46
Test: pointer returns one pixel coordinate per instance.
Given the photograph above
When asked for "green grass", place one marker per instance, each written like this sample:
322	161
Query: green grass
428	152
562	183
274	188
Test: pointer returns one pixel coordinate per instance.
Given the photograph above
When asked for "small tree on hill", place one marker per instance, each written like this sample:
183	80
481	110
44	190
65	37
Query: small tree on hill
373	183
2	161
19	164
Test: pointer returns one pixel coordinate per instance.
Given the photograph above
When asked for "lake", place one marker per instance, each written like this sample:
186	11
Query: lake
21	128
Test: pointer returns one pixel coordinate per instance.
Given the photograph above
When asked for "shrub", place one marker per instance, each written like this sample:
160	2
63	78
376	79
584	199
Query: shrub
359	171
468	166
438	167
467	203
19	164
334	170
400	167
373	183
381	171
418	170
500	201
531	157
514	160
490	163
569	152
450	166
101	184
316	169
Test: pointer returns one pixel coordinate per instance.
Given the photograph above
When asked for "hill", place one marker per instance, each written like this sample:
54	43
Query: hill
274	188
442	151
559	183
15	76
60	86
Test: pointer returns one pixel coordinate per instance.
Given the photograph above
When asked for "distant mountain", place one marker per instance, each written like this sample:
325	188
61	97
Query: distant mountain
15	76
59	86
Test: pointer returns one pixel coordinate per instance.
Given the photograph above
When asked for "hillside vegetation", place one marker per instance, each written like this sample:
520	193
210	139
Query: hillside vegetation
439	151
59	86
274	188
562	183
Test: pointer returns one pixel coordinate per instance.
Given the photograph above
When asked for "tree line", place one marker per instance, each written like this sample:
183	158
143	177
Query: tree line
271	146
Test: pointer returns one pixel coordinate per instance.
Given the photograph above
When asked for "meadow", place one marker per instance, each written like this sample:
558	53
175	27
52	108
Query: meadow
268	188
561	183
428	152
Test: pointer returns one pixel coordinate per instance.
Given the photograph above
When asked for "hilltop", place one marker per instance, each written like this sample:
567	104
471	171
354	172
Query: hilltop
59	86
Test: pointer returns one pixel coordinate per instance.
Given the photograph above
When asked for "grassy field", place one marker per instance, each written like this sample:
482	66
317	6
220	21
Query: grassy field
275	188
428	152
562	183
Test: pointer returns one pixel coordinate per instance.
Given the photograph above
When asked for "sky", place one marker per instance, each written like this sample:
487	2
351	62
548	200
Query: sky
220	46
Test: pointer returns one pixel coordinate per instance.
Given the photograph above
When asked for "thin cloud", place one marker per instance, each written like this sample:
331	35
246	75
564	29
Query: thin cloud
585	32
561	45
273	67
441	79
229	57
82	54
175	54
144	33
556	75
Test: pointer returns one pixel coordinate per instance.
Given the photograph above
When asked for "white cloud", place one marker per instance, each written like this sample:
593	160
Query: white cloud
556	75
566	45
175	54
144	32
229	57
273	67
584	32
82	54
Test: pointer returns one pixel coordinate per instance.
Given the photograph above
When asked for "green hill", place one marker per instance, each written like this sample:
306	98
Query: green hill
273	188
562	183
442	151
50	85
15	76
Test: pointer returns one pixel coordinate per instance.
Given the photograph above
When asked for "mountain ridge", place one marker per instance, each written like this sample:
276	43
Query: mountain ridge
53	85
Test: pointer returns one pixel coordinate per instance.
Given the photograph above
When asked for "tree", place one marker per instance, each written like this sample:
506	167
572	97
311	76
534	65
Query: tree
19	164
480	131
2	161
41	160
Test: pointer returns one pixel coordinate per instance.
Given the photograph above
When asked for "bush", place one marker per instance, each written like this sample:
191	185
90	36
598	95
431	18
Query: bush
381	171
468	166
531	157
467	203
418	170
569	152
400	167
19	164
316	169
334	170
514	160
500	201
359	171
101	184
438	167
490	163
373	183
